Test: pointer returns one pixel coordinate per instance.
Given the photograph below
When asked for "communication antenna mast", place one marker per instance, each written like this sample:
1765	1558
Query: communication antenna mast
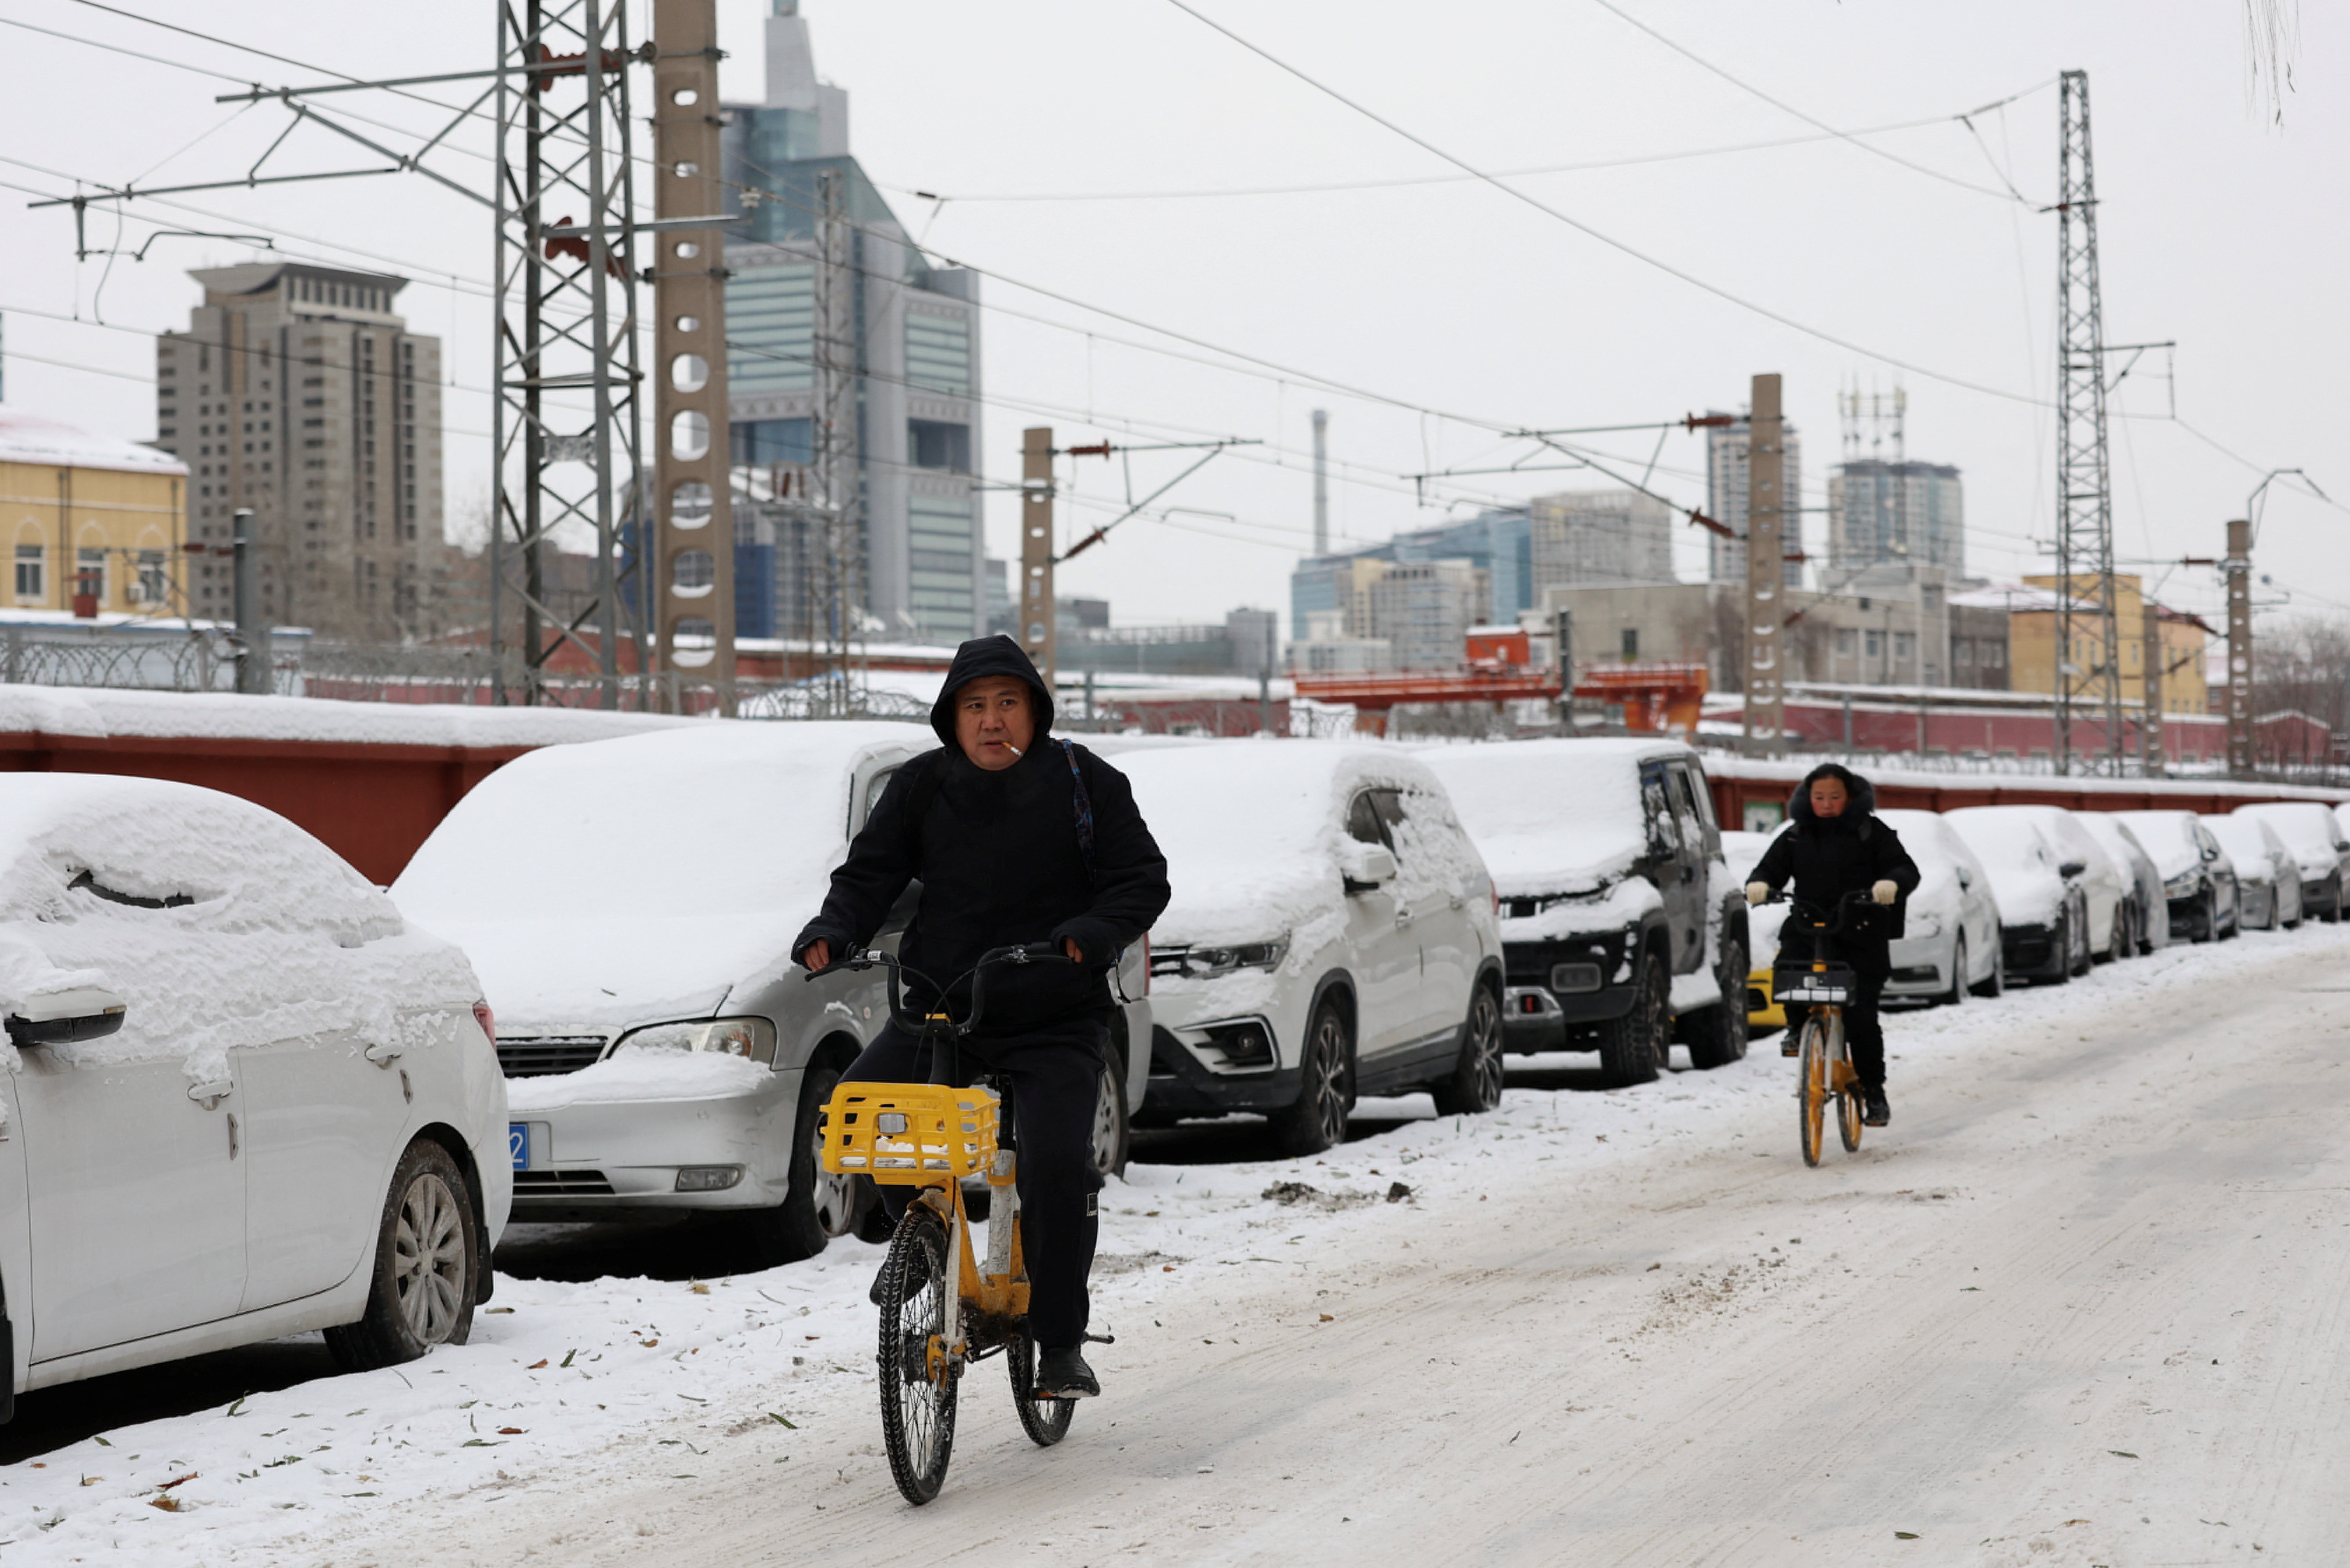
2088	643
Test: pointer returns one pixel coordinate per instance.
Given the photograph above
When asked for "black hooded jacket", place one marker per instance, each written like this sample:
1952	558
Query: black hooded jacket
1000	859
1829	856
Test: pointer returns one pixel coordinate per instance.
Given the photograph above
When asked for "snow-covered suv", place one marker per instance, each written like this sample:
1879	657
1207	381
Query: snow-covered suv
1332	933
1621	929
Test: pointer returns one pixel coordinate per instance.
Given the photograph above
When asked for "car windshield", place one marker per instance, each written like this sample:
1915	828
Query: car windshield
1549	816
2169	839
2254	851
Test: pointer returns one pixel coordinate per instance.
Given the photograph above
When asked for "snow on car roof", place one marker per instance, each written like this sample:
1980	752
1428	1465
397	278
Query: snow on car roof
220	924
1251	828
615	877
2252	843
2016	856
2168	838
1551	816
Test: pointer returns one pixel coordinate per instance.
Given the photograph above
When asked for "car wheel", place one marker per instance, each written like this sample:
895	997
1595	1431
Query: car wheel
1109	1139
2117	939
2087	958
815	1207
1475	1086
1995	984
427	1266
1327	1075
1632	1048
1719	1035
1957	994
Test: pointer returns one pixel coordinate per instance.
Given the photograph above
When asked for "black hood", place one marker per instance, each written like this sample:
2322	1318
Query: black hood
980	658
1862	804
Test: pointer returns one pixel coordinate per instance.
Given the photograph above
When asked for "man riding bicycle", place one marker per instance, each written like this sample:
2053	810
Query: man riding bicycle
1837	846
1015	837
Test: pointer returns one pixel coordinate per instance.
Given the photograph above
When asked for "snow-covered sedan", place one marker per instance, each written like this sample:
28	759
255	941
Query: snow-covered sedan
630	905
2315	836
2150	908
2268	873
2044	908
2198	880
1331	934
1951	944
1623	928
243	1098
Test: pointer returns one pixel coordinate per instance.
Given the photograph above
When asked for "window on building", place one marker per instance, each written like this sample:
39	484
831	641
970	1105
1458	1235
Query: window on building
32	578
935	443
937	352
1875	645
1905	646
759	442
1844	643
1994	656
1962	653
154	578
90	573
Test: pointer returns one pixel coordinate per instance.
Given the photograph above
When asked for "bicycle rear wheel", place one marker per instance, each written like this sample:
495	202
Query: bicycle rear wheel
917	1401
1047	1421
1812	1087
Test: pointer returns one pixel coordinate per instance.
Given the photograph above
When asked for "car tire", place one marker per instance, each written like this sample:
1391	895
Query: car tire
1995	984
1957	995
815	1207
1719	1034
2203	924
2088	959
1475	1086
2117	939
1632	1048
1325	1090
427	1266
1112	1132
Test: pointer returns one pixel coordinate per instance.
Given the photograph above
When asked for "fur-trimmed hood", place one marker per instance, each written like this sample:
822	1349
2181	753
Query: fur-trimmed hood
1862	803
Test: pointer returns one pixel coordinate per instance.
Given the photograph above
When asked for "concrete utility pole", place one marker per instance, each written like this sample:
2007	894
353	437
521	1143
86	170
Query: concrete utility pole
1766	551
692	563
2238	568
1038	633
838	614
2150	726
1321	482
252	673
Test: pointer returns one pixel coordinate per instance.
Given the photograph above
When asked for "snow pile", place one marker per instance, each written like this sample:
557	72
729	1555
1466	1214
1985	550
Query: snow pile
96	714
631	1077
2023	868
219	923
28	438
1551	816
606	884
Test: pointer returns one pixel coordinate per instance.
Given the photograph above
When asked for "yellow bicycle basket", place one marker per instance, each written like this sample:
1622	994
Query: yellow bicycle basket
907	1133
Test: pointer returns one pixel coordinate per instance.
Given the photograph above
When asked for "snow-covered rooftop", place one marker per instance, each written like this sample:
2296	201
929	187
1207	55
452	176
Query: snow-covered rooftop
30	437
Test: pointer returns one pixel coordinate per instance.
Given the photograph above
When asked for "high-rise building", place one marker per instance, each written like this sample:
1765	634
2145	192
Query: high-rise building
1499	541
1881	511
1600	536
298	391
913	357
1423	609
1725	496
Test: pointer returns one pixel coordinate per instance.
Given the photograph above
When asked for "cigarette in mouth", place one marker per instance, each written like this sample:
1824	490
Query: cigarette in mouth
1013	750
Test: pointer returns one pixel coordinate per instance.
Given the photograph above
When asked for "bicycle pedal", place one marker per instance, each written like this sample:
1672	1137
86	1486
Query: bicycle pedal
1791	1049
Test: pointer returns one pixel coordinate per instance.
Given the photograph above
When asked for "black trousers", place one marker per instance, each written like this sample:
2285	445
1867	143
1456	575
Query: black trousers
1055	1076
1863	1031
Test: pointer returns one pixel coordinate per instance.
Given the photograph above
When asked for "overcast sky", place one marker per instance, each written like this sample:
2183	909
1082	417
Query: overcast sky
2218	227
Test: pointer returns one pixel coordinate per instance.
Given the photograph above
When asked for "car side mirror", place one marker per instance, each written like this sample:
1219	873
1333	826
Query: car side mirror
2072	868
64	1017
2210	856
1365	865
2341	846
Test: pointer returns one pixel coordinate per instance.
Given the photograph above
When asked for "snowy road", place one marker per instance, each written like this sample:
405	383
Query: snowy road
2083	1303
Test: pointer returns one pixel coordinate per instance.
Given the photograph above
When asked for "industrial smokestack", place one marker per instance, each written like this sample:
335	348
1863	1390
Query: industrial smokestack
1321	482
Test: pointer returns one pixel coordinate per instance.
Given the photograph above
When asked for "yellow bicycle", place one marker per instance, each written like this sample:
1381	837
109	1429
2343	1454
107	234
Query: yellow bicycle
1821	987
945	1305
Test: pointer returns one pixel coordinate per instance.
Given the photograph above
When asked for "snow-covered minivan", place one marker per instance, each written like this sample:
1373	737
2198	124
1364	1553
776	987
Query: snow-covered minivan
1622	927
1331	934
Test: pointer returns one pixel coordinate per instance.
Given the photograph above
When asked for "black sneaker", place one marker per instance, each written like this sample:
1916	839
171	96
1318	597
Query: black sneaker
1874	1111
1063	1374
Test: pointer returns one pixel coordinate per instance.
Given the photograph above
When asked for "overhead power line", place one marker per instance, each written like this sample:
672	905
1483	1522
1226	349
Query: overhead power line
1847	344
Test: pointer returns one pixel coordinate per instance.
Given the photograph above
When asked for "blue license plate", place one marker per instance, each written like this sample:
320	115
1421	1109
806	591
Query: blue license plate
518	1144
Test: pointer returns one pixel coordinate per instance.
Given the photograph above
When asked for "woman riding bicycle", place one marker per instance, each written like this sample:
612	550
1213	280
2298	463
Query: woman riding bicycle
1837	846
1015	839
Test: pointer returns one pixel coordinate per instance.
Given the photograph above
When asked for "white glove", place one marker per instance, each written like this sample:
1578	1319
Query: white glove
1884	892
1757	892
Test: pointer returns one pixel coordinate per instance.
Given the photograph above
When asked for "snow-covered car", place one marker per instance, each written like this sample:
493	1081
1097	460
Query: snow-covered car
1740	853
243	1097
2268	873
1622	927
630	906
2198	880
1331	934
2044	908
1952	944
2315	835
2108	883
2149	910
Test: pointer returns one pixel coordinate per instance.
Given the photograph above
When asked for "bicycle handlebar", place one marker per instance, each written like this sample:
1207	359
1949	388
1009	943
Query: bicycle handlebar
1841	910
914	1023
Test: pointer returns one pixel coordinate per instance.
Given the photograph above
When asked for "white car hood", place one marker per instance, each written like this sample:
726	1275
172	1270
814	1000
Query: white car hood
598	972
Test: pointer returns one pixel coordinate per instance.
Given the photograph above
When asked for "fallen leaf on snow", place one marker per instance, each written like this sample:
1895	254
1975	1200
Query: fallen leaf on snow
182	1482
2121	1453
780	1421
535	1365
91	1480
1327	1318
1905	1535
167	1502
509	1431
648	1343
700	1288
498	1309
1397	1193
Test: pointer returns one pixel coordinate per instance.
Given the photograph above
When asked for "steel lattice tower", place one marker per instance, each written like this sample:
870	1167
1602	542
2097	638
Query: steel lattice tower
2087	675
565	423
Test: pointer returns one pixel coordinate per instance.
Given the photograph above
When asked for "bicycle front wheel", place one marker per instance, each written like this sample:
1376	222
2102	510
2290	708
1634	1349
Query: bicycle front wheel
1812	1088
1047	1421
917	1386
